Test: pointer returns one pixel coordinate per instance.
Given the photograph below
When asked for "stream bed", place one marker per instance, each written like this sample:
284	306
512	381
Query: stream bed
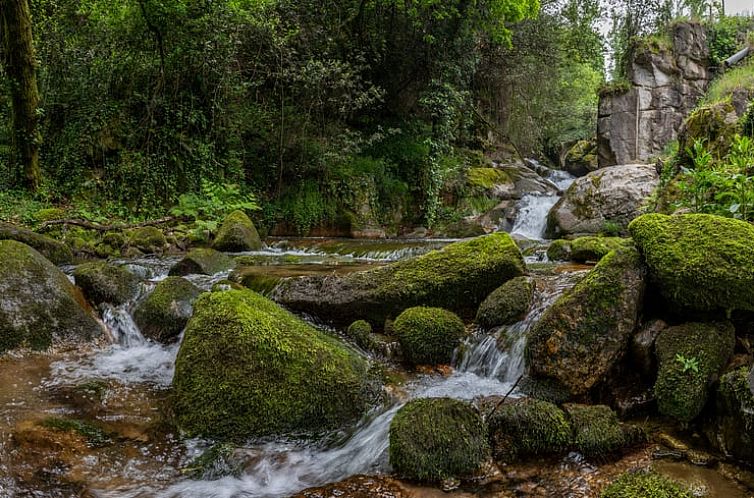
122	389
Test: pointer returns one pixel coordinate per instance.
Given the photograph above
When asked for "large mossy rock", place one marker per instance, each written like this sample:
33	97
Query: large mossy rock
597	432
106	283
456	278
581	158
690	357
699	261
735	416
164	314
507	304
606	198
528	427
437	438
38	304
202	261
582	336
645	485
585	249
428	335
149	240
55	251
248	368
237	234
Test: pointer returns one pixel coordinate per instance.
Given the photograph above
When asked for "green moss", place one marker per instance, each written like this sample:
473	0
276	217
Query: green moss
528	427
55	251
487	178
147	239
49	214
716	124
582	335
596	429
105	283
644	485
202	261
114	239
437	438
38	304
456	278
361	333
682	391
258	280
699	261
214	463
428	335
283	377
559	250
615	87
163	315
237	233
586	249
94	436
507	304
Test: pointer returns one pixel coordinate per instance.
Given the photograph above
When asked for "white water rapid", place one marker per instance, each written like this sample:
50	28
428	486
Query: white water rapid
533	208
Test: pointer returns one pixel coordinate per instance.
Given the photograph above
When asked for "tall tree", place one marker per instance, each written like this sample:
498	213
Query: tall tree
20	66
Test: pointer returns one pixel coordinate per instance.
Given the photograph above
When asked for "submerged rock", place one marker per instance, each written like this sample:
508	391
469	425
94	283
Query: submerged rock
164	314
507	304
605	200
283	377
237	234
456	278
55	251
106	283
699	261
38	304
428	335
202	261
735	416
690	358
587	331
433	439
528	427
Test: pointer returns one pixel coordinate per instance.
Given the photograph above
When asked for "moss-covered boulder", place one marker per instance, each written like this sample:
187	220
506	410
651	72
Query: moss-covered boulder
587	331
559	250
202	261
149	240
690	357
164	314
507	304
38	304
428	335
528	427
597	432
456	278
699	261
283	377
735	416
645	485
106	283
437	438
715	124
585	249
55	251
360	332
581	158
237	233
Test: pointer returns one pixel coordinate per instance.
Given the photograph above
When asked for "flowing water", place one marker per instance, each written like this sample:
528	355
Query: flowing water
531	221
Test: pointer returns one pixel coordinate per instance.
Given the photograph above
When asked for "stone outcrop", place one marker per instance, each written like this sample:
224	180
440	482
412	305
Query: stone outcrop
604	200
665	81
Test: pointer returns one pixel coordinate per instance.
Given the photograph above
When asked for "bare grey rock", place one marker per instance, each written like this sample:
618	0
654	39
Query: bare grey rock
665	84
610	195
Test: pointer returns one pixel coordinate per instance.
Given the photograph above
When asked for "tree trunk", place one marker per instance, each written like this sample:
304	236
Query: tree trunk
20	65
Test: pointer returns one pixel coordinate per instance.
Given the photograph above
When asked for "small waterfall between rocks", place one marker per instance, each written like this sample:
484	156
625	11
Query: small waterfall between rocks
280	469
531	221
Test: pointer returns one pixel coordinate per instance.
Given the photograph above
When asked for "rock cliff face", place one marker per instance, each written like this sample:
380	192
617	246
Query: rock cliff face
665	82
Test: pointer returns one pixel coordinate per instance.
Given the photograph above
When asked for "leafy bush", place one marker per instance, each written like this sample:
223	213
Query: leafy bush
213	203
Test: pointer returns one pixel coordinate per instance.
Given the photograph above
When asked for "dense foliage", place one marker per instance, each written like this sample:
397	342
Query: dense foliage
323	110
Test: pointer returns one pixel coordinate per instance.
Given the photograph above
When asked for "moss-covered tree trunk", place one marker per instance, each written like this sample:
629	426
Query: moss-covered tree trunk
20	65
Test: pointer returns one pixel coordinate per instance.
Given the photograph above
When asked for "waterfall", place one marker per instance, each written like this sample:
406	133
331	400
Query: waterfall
533	208
281	469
